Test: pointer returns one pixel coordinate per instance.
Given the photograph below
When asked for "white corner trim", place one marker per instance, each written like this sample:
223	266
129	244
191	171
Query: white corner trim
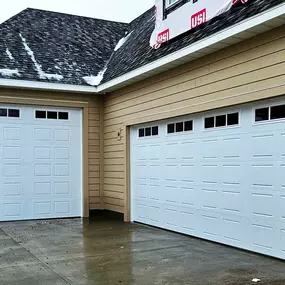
36	85
213	39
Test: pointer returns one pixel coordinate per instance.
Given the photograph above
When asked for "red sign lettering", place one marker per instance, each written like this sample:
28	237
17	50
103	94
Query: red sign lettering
163	37
199	18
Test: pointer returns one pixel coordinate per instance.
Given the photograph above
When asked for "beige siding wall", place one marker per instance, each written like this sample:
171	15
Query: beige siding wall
251	70
93	105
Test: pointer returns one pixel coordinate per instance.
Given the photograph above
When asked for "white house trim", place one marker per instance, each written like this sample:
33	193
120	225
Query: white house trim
37	85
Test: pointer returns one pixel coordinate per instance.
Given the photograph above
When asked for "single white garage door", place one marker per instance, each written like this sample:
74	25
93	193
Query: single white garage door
218	175
40	162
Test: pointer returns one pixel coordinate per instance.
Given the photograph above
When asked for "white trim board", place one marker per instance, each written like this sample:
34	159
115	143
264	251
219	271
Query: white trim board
38	85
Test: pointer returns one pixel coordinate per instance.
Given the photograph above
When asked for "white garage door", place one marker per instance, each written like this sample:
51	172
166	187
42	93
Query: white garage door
40	162
217	175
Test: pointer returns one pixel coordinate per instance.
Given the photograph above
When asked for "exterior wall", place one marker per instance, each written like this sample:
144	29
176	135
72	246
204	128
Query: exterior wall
248	71
92	127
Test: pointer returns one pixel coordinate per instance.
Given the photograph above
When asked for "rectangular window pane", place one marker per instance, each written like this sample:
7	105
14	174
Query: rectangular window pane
170	128
209	122
147	132
41	114
179	127
3	112
262	114
188	126
141	133
63	115
170	2
221	121
277	112
14	113
233	119
154	131
52	115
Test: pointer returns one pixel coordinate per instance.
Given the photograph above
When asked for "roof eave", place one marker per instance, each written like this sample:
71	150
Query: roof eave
248	28
47	86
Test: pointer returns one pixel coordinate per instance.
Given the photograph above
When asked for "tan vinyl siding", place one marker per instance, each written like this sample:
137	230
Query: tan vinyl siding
248	71
93	105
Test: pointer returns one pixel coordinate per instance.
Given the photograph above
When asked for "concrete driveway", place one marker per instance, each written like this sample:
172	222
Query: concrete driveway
60	252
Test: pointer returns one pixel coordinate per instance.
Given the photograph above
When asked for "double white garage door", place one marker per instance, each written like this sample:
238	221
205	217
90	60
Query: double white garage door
217	175
40	162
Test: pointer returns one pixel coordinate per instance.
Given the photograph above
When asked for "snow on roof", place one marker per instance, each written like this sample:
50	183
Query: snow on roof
38	67
122	41
9	72
95	80
9	54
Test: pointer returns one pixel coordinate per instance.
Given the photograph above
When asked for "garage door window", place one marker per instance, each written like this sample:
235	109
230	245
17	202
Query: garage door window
52	115
270	113
11	113
262	114
180	127
277	112
219	121
149	131
3	112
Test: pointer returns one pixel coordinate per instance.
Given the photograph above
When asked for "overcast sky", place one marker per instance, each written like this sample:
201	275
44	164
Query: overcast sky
116	10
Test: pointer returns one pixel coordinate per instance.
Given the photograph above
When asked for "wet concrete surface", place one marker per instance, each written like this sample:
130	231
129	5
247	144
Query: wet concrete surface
101	251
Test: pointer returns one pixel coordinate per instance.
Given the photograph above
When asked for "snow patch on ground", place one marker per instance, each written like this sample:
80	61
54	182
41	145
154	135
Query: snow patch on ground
9	72
95	80
122	41
38	67
9	54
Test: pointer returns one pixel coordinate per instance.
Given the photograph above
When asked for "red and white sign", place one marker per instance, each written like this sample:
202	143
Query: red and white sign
175	17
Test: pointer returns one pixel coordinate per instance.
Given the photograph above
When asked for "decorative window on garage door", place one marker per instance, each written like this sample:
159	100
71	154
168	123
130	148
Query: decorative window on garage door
11	113
180	127
148	131
270	113
223	120
52	115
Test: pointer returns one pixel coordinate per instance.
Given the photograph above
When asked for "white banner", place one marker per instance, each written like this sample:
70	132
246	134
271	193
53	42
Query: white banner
175	17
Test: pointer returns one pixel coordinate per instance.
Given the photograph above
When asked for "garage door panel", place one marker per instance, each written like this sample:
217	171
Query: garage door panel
210	199
155	213
265	175
233	201
171	217
187	173
154	192
187	197
264	235
211	225
142	191
188	219
41	166
263	204
233	229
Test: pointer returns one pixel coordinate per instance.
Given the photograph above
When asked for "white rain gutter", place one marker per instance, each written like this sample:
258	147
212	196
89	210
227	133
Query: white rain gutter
37	85
208	42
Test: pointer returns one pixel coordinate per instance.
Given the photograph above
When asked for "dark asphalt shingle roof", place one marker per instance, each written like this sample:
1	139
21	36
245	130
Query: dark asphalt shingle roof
74	47
67	45
137	51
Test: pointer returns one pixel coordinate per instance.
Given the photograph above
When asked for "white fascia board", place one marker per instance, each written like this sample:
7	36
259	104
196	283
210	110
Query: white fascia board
36	85
213	39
